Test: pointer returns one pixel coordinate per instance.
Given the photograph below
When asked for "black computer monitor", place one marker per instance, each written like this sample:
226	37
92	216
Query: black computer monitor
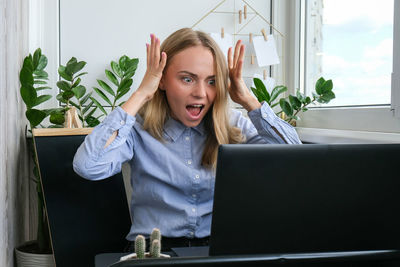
306	199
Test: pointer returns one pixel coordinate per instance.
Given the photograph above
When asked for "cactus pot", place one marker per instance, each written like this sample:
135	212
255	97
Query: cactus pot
27	258
146	254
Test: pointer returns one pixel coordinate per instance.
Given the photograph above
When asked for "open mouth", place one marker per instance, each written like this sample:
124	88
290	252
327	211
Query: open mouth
194	110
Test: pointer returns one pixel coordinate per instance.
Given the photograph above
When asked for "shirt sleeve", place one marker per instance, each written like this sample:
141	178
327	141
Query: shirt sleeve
264	125
94	162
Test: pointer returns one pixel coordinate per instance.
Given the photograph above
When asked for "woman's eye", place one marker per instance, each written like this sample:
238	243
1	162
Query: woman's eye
211	82
187	79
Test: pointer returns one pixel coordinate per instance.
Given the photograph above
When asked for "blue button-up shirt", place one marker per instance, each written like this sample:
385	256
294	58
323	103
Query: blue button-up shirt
171	189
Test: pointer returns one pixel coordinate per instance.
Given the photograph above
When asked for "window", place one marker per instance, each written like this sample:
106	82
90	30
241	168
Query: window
353	43
350	42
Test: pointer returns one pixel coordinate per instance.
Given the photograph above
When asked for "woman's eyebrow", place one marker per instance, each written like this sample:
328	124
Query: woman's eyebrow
195	75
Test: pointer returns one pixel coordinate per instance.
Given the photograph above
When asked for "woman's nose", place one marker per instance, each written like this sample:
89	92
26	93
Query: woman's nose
199	90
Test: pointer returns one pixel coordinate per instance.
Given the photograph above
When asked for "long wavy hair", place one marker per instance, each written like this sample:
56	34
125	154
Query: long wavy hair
219	131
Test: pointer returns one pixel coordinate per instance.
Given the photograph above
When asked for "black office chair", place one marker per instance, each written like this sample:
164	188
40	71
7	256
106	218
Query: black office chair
85	217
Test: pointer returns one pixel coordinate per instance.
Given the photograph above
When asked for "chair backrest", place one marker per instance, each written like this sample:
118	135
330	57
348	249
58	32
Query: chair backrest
85	217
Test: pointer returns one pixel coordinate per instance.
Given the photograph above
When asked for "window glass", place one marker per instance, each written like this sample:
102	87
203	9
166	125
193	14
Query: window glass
350	42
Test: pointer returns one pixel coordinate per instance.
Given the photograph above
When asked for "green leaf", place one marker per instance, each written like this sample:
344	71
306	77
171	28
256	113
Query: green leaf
36	57
304	109
277	91
42	88
35	117
29	95
74	104
26	77
295	102
80	74
64	74
57	118
125	84
122	93
260	86
102	95
318	85
327	87
122	62
326	98
308	100
76	83
63	85
131	67
28	64
301	96
78	66
116	69
112	77
87	107
67	95
99	105
257	94
85	98
79	91
42	63
60	98
106	87
120	104
92	121
53	110
42	99
275	104
92	111
286	107
39	82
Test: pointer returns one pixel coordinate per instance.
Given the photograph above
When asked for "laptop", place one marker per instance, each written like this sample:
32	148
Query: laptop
282	199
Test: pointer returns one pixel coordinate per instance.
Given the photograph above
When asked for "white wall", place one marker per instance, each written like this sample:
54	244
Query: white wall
98	31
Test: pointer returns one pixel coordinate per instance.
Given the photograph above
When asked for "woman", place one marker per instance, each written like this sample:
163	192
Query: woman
169	131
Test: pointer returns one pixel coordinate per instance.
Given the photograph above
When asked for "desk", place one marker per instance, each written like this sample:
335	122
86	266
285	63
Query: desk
386	258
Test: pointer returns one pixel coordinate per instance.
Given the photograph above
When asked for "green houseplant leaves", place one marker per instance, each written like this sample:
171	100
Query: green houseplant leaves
120	77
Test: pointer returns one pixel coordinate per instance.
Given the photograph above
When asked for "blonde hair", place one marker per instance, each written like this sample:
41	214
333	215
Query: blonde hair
216	121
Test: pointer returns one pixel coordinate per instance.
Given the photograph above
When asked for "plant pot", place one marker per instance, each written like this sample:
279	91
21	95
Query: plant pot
146	255
26	257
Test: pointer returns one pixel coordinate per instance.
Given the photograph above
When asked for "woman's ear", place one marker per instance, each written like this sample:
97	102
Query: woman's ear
161	85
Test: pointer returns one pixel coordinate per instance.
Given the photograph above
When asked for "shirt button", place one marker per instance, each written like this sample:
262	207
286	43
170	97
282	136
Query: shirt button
189	162
122	122
194	195
187	138
264	116
191	233
197	176
194	210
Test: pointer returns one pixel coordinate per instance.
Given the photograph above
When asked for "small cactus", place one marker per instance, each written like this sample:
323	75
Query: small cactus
140	246
155	249
155	235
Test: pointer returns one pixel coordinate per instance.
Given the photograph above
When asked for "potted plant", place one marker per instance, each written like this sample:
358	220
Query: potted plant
33	79
293	104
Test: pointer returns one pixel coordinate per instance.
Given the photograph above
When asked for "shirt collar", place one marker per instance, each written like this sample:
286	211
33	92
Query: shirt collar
174	128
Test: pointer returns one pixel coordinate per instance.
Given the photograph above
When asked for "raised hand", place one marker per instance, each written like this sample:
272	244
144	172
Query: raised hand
237	89
155	67
151	80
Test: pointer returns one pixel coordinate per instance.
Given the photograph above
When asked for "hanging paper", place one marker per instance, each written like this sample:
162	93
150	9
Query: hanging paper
224	43
266	52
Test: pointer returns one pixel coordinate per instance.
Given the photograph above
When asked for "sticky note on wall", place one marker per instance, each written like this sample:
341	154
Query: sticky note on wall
224	43
266	52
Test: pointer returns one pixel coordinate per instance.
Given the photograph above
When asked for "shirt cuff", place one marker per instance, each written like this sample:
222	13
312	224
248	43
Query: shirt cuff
119	120
265	112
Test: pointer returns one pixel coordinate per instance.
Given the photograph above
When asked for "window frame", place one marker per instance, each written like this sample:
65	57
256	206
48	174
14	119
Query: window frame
381	119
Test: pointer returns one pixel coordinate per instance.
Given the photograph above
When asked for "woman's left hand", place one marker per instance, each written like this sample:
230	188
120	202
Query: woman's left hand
237	89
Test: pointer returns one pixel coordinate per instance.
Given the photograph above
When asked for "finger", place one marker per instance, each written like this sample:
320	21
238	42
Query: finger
240	62
236	54
148	54
157	52
230	65
153	37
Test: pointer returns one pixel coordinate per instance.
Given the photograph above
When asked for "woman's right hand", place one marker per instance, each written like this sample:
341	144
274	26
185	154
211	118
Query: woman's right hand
151	80
155	67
